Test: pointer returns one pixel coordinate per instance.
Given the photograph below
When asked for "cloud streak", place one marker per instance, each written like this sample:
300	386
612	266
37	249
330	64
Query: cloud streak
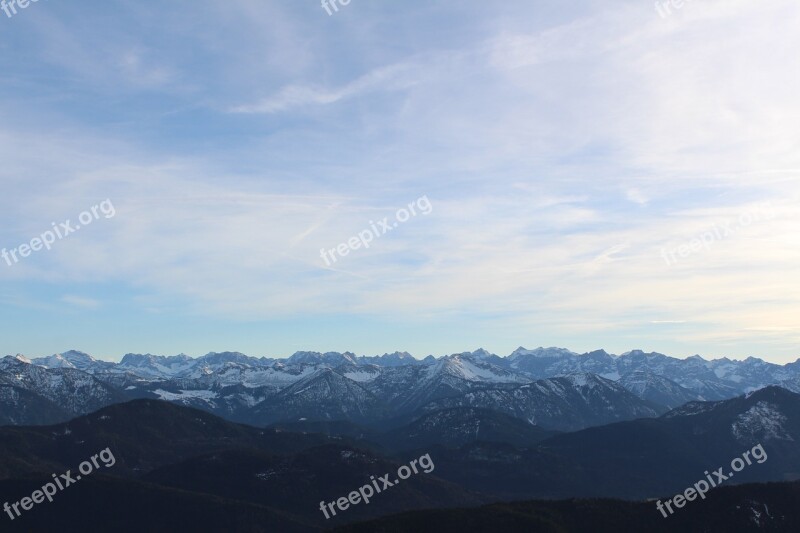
391	78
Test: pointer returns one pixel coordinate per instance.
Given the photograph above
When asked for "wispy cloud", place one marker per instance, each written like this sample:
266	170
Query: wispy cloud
390	78
81	301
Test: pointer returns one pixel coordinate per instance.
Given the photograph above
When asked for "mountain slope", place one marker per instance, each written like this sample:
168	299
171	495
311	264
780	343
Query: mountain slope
657	389
563	403
459	426
73	391
325	395
143	434
391	390
190	450
21	407
640	458
103	503
298	482
745	509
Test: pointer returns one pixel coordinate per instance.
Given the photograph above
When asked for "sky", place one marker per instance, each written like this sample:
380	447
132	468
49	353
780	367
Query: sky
581	174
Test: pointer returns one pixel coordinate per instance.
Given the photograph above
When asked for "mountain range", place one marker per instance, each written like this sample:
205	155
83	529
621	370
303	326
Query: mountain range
170	459
259	442
552	388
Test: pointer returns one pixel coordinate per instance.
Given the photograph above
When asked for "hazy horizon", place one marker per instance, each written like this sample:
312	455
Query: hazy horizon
417	356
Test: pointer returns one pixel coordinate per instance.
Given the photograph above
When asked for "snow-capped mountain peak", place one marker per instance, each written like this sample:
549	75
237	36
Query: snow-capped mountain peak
472	369
480	353
657	379
53	361
541	352
148	365
328	358
390	359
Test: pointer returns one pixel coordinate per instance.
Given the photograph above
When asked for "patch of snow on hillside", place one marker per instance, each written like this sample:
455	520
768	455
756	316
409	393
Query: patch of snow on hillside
361	376
186	394
763	421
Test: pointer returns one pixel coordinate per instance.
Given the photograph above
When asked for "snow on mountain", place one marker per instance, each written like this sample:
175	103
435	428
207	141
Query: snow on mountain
396	385
769	416
562	403
710	380
406	388
540	352
792	384
390	359
277	375
752	373
761	423
19	406
214	361
54	361
156	366
234	384
657	389
470	368
328	358
548	362
597	362
185	395
74	359
453	375
485	356
87	363
360	373
8	359
72	390
693	373
324	395
694	409
480	353
768	413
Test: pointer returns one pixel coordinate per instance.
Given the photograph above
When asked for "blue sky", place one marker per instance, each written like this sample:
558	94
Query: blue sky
599	176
